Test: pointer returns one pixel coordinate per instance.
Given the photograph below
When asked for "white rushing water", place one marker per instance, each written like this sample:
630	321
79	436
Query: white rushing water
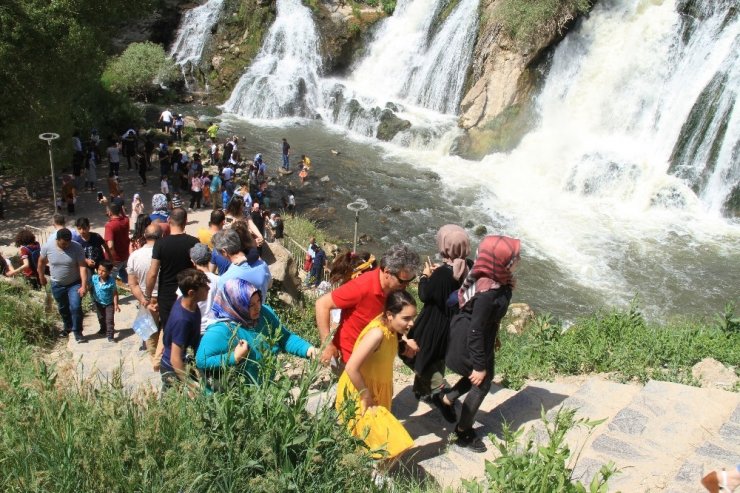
283	80
195	32
589	188
600	190
414	67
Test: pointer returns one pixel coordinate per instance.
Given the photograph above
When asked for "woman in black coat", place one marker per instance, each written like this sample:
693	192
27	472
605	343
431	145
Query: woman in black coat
483	298
429	333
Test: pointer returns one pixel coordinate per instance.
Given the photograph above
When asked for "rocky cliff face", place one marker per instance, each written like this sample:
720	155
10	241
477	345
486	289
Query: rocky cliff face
497	109
342	27
236	40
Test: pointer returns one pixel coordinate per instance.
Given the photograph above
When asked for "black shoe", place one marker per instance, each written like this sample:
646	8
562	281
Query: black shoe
110	339
469	440
63	333
142	347
447	410
80	340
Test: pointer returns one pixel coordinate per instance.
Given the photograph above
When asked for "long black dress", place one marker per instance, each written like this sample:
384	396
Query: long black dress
431	326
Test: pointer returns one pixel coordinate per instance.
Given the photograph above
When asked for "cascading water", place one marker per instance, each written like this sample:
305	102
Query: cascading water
193	35
589	188
283	80
415	67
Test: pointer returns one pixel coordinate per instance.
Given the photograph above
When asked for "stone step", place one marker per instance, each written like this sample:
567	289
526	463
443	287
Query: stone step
596	399
720	450
651	438
448	464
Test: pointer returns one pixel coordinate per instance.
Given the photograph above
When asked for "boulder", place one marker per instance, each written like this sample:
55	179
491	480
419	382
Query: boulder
711	373
518	315
284	275
390	125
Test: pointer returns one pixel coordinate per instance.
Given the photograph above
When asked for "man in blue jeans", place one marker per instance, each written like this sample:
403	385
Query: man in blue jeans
286	155
66	261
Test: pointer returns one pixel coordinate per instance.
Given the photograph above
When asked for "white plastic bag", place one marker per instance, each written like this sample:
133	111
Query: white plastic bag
144	324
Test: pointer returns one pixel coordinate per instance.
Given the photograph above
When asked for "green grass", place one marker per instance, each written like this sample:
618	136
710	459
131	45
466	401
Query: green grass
618	342
300	228
525	21
60	436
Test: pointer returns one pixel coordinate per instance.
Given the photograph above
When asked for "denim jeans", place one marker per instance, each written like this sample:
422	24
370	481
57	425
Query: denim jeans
119	270
286	161
69	304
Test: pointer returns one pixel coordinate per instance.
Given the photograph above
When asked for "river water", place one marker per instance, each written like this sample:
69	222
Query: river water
674	269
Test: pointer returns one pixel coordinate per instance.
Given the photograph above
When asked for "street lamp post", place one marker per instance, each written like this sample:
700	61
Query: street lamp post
49	137
357	206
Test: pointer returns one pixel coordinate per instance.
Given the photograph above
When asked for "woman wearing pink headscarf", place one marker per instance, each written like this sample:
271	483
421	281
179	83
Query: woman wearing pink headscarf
483	298
429	333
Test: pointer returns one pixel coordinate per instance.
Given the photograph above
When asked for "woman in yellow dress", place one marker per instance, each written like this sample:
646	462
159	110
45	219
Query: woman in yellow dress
365	389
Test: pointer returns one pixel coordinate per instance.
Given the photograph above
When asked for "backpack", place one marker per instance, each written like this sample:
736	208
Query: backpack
34	254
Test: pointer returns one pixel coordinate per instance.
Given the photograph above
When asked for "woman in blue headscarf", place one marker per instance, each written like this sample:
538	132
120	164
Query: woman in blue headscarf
244	331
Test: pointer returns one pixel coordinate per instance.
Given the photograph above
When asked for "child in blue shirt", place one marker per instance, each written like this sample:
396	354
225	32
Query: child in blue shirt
105	296
183	327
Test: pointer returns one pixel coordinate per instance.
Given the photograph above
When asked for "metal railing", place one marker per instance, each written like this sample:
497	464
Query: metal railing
42	235
298	252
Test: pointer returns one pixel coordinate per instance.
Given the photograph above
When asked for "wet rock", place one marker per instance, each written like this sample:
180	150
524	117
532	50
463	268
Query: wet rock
468	224
324	179
390	125
712	373
480	230
364	239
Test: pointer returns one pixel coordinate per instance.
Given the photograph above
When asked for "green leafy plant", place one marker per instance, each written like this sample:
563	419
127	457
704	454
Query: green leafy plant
527	465
620	342
140	69
727	321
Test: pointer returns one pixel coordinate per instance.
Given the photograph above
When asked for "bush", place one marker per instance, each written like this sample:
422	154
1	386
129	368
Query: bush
621	342
524	21
140	69
539	467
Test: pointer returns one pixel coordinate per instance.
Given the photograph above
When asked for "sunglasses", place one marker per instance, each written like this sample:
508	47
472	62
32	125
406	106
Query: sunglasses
403	281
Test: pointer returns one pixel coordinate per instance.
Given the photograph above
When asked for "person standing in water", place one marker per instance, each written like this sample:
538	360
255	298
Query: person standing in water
286	155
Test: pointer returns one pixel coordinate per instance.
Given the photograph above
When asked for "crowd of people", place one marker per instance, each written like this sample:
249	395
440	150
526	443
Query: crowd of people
208	294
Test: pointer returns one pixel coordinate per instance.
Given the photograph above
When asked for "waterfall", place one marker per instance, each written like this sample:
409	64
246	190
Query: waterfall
414	60
415	70
194	33
592	187
438	77
283	80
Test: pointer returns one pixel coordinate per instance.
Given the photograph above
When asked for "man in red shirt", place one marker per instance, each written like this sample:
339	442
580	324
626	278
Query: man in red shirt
116	236
362	299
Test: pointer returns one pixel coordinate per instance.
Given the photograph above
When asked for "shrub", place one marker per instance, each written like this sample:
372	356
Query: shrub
140	69
539	467
621	342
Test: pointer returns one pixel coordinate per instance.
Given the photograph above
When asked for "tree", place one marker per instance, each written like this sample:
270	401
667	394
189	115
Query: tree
140	69
51	56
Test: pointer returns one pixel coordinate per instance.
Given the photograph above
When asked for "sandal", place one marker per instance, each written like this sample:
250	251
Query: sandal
712	482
